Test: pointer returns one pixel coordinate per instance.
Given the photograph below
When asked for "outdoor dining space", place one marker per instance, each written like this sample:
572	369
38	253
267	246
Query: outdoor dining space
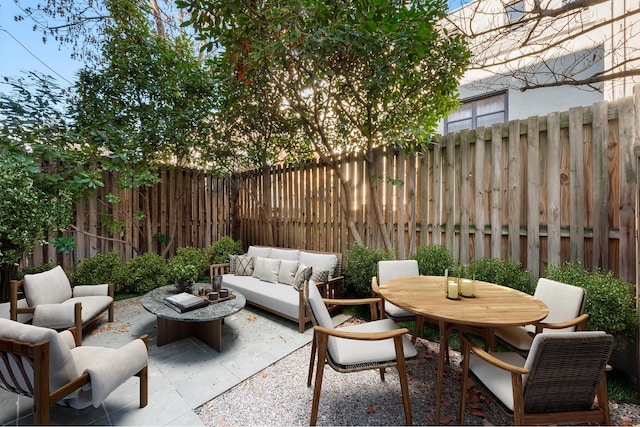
270	374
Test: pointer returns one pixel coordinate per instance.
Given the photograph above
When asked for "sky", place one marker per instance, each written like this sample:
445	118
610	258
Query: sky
22	48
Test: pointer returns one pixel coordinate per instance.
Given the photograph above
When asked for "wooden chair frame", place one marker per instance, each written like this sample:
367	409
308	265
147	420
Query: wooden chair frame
14	310
37	356
319	345
599	415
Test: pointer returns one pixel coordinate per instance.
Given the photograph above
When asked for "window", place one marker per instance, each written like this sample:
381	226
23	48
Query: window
478	112
514	11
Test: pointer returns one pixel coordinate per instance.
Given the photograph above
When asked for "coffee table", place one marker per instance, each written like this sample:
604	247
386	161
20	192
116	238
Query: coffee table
203	323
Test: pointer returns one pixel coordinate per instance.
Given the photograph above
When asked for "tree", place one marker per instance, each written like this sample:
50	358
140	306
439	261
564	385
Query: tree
543	42
41	171
150	105
354	75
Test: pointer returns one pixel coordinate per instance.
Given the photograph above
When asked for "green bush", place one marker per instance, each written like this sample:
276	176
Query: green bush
361	264
142	274
34	269
502	272
220	250
189	256
98	269
610	301
433	260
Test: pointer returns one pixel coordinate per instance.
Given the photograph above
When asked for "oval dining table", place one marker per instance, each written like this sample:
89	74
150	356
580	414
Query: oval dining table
492	306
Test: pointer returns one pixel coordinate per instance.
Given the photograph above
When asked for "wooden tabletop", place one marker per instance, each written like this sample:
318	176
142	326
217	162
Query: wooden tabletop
493	305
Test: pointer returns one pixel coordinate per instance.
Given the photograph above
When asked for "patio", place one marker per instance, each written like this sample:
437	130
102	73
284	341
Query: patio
259	378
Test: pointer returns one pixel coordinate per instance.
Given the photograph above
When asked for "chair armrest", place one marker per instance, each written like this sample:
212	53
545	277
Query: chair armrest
90	290
374	285
70	337
363	336
352	301
109	373
219	269
580	322
492	360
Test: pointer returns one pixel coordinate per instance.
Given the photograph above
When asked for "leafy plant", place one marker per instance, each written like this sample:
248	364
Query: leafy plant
191	256
142	274
610	301
182	273
361	264
220	250
433	260
503	272
98	269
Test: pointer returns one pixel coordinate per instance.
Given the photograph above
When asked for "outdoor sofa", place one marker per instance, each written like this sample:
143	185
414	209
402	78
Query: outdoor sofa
272	278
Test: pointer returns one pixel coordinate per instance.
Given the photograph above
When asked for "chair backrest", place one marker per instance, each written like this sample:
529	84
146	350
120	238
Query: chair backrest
320	315
49	287
62	367
392	269
565	302
565	370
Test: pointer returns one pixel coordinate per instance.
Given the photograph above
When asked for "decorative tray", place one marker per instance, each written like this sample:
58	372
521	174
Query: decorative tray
215	301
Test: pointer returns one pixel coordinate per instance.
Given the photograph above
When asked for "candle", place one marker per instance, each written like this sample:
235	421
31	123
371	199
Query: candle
466	288
452	289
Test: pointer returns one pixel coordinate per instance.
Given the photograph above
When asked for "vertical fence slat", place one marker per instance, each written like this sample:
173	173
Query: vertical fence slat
600	186
514	190
533	188
496	190
553	188
576	177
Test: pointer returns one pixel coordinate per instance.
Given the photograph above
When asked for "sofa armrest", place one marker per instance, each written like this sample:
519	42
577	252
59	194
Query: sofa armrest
219	269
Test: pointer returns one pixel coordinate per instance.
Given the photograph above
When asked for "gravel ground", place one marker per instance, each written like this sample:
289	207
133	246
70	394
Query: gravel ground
279	396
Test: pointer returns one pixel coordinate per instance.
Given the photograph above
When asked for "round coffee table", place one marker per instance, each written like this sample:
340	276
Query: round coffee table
203	323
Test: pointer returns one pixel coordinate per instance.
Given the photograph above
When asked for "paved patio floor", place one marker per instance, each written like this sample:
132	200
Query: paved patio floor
182	375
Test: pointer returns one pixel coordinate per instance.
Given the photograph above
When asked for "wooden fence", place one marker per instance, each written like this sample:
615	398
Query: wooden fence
538	191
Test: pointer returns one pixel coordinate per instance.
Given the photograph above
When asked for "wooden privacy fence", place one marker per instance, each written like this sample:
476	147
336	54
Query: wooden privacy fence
538	191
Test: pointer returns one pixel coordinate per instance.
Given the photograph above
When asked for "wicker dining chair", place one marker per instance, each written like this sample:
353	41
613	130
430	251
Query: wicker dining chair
558	383
566	314
49	367
378	344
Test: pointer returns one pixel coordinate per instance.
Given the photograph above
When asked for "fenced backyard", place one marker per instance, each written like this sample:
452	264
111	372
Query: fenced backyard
538	191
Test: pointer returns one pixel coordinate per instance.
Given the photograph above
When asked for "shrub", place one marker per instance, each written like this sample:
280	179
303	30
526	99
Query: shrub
98	269
502	272
220	250
361	264
433	260
142	274
34	269
190	256
610	301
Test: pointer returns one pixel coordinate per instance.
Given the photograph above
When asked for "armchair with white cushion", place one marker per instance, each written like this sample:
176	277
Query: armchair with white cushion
49	367
55	304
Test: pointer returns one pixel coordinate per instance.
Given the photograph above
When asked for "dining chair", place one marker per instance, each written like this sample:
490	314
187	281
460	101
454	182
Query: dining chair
393	269
557	383
378	344
566	314
49	367
55	304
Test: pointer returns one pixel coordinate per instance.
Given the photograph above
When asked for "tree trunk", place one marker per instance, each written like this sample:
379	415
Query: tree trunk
377	207
347	196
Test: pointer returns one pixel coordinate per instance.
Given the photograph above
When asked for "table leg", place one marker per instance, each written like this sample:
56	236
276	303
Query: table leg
173	330
445	329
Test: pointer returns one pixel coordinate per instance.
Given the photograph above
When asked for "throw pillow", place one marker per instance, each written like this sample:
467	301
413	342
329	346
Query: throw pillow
319	274
233	263
303	273
266	269
288	269
244	265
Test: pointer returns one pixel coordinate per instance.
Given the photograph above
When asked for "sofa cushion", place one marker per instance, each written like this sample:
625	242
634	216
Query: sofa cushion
288	254
328	261
319	274
244	266
288	269
303	273
49	287
266	269
278	297
233	263
263	251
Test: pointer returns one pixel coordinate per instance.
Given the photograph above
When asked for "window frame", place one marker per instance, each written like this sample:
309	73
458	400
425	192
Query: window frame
474	110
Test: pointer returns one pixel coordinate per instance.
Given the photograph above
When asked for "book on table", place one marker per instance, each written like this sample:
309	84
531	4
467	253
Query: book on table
184	301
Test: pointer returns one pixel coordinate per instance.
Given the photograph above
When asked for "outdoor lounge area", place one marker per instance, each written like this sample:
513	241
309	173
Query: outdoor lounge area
259	378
